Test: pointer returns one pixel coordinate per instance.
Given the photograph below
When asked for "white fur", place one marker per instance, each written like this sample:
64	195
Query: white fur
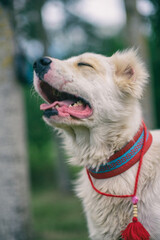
113	89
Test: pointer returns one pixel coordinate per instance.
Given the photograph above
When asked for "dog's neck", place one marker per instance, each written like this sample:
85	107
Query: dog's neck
92	147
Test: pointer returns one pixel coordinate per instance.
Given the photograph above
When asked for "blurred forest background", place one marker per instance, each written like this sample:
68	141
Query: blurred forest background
36	200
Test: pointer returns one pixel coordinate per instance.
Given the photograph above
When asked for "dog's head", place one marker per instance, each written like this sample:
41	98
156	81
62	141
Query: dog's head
89	89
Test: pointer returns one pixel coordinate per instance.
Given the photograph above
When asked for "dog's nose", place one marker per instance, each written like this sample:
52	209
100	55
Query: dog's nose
41	66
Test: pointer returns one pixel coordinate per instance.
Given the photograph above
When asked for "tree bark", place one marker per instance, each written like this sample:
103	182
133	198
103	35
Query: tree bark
14	184
135	38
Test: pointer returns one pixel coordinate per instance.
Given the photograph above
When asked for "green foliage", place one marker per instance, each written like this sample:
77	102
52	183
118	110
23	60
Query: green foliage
155	55
41	147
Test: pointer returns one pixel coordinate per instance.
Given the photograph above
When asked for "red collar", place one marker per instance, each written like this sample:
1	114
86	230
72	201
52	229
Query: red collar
136	148
125	158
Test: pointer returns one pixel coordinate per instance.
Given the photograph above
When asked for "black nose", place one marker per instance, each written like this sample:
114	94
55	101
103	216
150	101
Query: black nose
41	66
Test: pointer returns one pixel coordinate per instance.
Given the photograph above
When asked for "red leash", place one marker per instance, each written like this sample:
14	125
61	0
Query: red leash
134	230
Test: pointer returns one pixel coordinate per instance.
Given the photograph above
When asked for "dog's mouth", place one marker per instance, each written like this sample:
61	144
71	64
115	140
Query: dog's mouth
63	104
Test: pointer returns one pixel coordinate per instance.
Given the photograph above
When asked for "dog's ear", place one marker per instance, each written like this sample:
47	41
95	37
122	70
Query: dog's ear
130	73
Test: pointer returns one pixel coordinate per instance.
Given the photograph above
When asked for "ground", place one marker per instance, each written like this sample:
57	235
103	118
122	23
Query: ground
57	216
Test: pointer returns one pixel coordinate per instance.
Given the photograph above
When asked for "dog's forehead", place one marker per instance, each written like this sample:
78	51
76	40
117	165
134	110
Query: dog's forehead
88	57
97	60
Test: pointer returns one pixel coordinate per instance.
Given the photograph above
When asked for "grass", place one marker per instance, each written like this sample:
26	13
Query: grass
57	216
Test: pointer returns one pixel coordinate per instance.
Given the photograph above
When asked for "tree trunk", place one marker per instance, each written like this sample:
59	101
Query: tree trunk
14	184
135	38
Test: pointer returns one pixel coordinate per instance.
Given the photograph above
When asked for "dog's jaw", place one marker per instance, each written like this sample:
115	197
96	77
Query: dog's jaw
64	108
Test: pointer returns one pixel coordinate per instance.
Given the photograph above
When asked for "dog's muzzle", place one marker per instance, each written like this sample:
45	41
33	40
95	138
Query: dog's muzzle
41	66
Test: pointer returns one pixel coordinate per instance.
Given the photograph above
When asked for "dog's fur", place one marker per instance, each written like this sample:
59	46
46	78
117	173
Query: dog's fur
113	86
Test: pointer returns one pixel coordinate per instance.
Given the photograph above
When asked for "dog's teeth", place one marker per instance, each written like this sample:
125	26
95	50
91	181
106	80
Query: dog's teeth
79	103
57	106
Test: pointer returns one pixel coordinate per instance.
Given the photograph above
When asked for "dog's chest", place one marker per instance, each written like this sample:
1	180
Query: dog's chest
110	216
106	216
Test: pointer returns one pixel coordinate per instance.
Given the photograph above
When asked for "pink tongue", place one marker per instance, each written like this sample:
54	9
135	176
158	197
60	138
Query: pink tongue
79	111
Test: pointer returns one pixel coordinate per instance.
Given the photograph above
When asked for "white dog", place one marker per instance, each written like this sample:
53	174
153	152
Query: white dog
94	102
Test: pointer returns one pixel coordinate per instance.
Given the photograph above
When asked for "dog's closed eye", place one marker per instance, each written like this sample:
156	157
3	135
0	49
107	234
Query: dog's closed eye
80	64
